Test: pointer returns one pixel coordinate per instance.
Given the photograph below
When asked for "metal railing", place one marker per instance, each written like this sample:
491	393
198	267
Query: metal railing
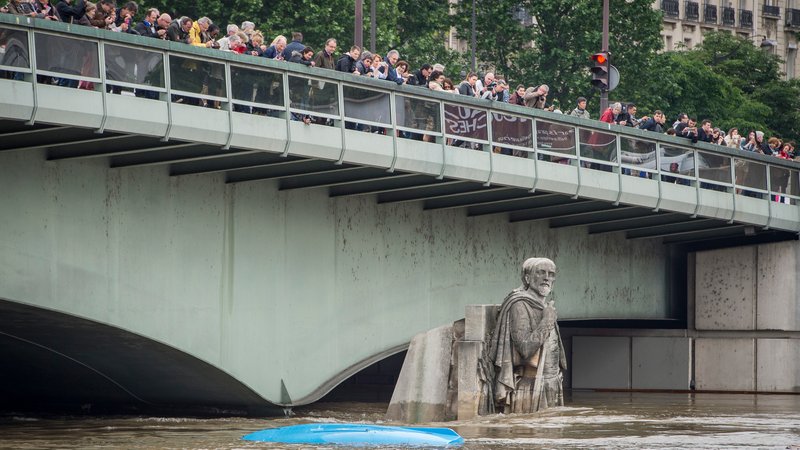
671	8
692	11
728	16
710	13
158	71
745	18
771	11
793	18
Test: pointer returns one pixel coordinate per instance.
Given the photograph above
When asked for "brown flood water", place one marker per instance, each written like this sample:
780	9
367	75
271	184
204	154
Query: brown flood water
589	420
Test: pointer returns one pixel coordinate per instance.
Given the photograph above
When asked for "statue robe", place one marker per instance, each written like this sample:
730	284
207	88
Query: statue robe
518	340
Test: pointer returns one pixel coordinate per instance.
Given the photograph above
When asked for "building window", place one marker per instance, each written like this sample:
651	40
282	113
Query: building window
791	63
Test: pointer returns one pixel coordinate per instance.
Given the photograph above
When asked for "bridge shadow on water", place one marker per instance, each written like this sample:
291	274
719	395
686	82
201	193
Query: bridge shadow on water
55	363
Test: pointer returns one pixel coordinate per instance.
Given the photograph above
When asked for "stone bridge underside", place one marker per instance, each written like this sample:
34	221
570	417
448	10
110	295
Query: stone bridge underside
262	261
282	287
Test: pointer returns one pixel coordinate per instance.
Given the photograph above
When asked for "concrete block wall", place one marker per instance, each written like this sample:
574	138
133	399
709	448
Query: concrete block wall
631	362
747	318
743	336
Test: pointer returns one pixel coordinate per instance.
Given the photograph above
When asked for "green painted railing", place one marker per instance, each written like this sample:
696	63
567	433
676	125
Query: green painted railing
87	58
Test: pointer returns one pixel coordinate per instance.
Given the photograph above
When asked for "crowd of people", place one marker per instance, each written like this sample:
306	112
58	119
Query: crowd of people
686	127
246	39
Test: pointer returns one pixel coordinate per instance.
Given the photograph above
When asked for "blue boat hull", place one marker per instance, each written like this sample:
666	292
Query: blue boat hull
358	435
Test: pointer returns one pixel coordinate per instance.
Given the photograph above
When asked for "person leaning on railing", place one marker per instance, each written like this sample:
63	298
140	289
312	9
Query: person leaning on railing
178	30
197	33
72	11
105	15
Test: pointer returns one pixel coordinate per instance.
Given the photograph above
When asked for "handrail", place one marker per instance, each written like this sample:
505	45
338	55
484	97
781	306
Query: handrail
484	108
212	55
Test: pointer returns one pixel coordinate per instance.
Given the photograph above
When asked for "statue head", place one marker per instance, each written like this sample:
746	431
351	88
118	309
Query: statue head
539	275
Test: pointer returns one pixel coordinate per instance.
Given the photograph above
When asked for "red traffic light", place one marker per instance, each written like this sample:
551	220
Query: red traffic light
600	71
600	58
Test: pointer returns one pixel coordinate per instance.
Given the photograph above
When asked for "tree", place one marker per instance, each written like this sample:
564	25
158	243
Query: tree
555	49
683	84
422	34
783	99
737	59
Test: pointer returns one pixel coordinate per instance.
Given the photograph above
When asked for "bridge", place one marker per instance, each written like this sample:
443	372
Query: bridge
168	216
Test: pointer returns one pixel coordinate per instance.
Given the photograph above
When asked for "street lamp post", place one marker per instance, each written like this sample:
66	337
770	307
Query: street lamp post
373	24
358	31
604	92
474	46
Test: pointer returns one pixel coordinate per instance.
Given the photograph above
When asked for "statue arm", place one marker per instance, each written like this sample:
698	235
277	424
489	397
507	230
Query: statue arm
528	330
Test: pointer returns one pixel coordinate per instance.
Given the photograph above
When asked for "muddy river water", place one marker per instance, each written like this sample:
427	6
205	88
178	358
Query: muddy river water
589	420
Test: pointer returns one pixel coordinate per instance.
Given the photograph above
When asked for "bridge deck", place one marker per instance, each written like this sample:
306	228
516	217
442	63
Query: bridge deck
448	151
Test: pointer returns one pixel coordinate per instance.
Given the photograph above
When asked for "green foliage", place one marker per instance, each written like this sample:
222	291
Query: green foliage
728	80
422	33
737	59
783	99
565	33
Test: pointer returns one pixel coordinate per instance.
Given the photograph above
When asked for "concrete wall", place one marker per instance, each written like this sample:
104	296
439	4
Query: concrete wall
744	331
749	295
631	362
288	286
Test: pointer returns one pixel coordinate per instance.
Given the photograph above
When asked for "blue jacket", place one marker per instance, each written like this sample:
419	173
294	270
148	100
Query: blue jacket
392	74
294	46
271	52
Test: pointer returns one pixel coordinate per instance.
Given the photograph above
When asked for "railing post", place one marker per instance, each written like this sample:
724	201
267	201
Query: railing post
769	197
229	96
393	121
618	140
535	140
287	102
733	183
658	177
696	184
489	116
443	127
101	69
168	85
34	78
578	159
342	123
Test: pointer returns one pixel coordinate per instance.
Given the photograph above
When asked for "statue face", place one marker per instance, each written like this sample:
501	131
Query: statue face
543	278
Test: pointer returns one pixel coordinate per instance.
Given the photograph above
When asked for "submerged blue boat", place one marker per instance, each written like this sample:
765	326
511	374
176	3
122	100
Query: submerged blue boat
358	435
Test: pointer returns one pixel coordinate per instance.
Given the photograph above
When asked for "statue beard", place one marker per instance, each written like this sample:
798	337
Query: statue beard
543	290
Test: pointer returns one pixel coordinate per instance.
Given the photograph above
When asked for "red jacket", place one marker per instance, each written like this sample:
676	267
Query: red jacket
608	116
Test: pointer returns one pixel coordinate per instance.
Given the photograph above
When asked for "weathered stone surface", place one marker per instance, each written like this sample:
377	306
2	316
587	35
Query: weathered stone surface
455	362
660	362
601	362
421	391
778	303
480	321
778	367
725	289
469	386
525	357
724	364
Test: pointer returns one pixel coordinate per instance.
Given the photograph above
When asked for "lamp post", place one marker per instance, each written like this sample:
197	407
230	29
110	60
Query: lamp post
372	26
473	44
767	44
358	30
604	92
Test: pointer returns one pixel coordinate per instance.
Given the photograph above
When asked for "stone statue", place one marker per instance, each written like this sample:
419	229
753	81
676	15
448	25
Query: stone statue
525	356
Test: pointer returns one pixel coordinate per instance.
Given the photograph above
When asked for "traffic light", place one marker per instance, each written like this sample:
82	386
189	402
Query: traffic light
600	70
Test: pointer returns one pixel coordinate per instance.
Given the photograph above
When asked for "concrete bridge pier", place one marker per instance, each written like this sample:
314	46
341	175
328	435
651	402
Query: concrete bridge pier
742	335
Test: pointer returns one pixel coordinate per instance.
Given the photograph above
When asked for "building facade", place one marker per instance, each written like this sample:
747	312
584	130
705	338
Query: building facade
771	24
